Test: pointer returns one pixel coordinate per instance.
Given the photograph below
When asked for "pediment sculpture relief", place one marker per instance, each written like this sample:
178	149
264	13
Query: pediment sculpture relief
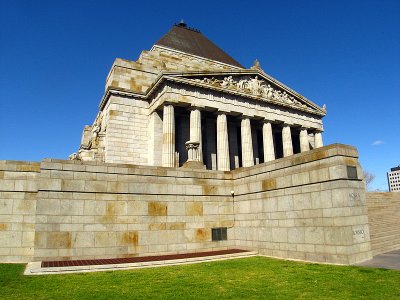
255	87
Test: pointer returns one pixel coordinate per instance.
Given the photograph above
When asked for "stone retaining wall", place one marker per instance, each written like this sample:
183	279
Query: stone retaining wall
303	207
18	191
384	221
93	210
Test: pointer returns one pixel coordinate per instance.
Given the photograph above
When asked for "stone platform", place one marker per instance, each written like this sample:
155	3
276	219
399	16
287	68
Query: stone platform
309	206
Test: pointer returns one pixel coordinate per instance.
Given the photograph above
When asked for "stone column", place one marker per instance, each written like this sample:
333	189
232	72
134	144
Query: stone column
287	140
195	130
168	141
268	142
304	144
222	143
318	139
247	144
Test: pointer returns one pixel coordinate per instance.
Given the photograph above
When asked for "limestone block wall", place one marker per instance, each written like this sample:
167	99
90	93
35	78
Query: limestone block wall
130	76
18	190
173	60
308	206
384	221
138	76
126	139
304	207
96	210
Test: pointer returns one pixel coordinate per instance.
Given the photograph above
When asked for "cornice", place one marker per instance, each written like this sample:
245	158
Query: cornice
119	92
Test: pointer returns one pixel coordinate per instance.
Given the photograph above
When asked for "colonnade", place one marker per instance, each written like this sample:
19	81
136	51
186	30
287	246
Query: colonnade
223	158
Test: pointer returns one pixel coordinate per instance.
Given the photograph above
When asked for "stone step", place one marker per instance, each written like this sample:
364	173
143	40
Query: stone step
385	249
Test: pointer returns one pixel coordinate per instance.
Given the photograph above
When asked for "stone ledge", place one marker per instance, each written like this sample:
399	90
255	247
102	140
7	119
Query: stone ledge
297	159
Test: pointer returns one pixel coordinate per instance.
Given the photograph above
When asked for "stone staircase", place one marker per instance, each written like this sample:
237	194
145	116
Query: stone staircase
384	221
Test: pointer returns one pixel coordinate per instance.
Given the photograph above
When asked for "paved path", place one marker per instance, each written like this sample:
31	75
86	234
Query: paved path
388	260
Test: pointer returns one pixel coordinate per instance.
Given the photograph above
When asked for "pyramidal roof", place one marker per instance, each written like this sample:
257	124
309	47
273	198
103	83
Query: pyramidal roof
189	40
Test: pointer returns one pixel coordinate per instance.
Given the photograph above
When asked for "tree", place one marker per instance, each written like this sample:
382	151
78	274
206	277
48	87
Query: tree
368	178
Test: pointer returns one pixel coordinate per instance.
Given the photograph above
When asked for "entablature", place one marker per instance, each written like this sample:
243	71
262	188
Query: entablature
241	86
252	84
211	101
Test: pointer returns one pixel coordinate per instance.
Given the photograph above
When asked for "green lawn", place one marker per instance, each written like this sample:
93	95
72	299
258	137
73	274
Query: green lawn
249	278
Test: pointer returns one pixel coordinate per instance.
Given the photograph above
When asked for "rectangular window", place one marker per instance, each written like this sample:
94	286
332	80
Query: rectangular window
219	234
352	172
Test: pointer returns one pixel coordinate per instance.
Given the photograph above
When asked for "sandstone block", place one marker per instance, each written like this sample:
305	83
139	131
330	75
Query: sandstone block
83	239
59	240
157	208
48	206
314	235
194	209
280	235
105	239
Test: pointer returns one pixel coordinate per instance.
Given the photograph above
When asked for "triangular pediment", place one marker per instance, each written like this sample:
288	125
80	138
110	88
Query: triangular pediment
250	83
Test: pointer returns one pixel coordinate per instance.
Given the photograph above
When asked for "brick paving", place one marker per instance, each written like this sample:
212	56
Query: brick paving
125	260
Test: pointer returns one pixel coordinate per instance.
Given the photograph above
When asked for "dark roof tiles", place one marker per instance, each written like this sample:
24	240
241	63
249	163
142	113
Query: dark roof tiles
193	42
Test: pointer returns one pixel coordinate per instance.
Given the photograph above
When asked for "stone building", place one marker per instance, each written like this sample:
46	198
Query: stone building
186	89
190	151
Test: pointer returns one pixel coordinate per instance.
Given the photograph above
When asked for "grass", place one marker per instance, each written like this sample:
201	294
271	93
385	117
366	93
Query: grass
249	278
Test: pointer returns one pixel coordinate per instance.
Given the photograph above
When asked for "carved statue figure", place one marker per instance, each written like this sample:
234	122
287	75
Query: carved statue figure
276	95
207	80
242	84
227	82
86	155
267	90
95	132
288	99
73	156
255	85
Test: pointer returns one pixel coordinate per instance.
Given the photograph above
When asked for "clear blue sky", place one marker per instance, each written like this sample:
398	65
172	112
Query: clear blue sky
55	56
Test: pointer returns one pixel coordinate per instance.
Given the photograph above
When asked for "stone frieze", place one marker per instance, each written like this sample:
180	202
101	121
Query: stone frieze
254	86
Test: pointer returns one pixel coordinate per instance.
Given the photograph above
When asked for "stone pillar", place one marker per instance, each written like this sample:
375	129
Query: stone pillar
268	142
247	144
195	130
318	139
222	143
168	141
155	138
304	144
287	140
